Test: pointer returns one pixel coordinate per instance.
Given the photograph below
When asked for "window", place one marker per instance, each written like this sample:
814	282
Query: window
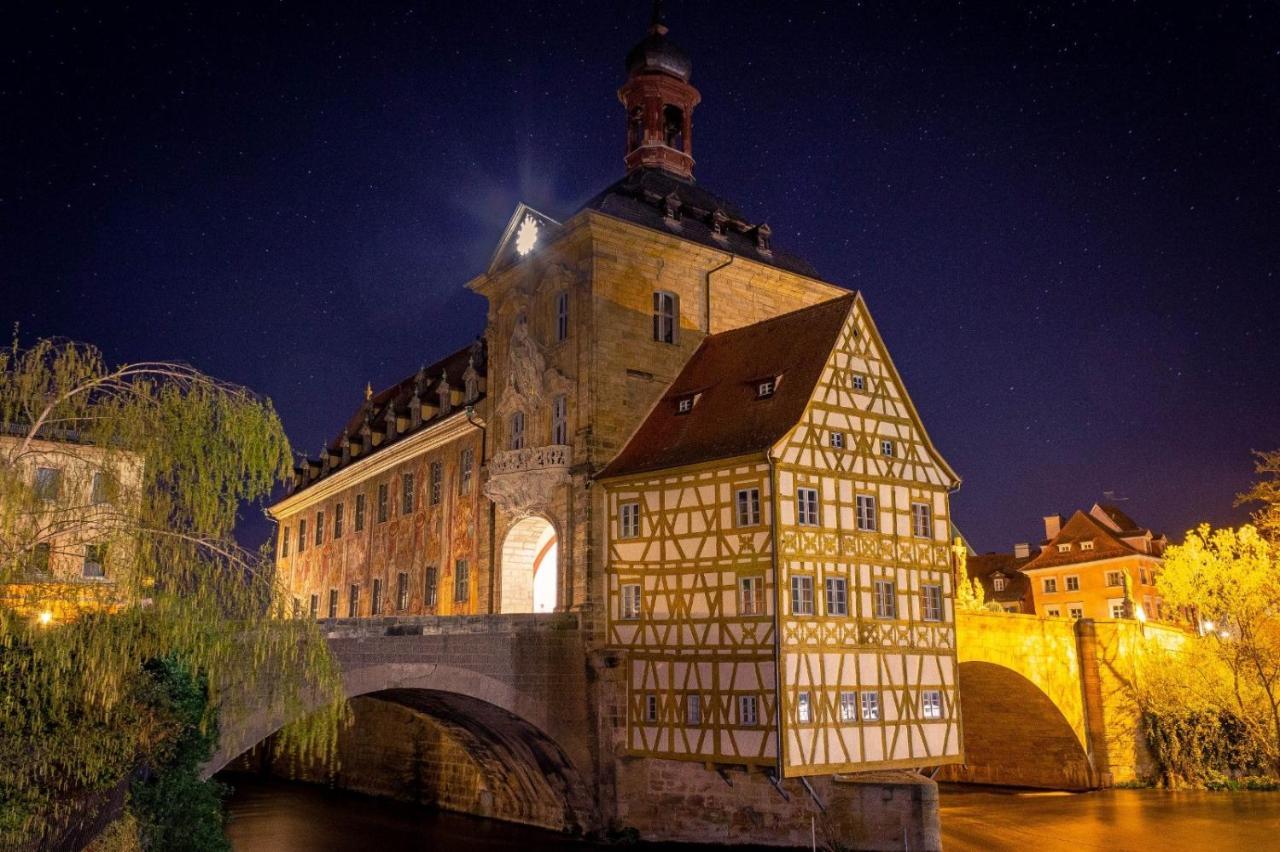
95	560
314	609
101	491
1142	575
764	389
651	708
870	706
560	420
837	596
684	404
801	595
430	586
931	602
1086	545
748	710
631	601
629	520
885	599
693	709
836	439
751	596
48	483
865	506
807	507
353	600
319	528
333	603
666	315
748	500
1115	578
562	315
804	713
1064	548
38	562
375	600
1073	584
466	463
402	591
848	707
461	581
921	520
998	583
516	437
1053	611
887	448
406	492
382	503
436	473
339	511
931	704
1116	607
1050	585
858	381
1076	611
302	534
284	542
359	512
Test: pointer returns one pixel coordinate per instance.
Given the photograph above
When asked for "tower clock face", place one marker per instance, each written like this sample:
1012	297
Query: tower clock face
526	236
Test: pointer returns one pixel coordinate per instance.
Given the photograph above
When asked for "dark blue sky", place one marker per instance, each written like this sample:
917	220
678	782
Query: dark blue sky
1064	217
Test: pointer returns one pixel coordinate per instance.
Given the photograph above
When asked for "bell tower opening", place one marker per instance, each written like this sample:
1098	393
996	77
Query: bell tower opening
530	567
659	101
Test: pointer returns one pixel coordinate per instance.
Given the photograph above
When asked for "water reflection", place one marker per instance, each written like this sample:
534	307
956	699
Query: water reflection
269	815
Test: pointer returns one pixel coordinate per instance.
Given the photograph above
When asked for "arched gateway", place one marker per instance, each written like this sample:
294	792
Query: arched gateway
530	556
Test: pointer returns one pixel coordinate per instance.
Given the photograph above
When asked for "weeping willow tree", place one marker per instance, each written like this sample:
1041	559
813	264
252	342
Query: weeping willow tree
119	492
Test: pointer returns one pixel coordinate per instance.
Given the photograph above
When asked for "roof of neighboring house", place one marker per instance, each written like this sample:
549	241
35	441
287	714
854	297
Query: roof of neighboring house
1081	527
727	418
985	567
425	383
1123	522
642	197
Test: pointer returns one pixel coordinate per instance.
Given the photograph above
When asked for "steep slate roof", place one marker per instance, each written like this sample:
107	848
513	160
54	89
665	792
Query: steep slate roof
642	198
981	568
1123	522
728	420
1081	527
397	397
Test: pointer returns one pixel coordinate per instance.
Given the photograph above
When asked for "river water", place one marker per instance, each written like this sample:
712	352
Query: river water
268	815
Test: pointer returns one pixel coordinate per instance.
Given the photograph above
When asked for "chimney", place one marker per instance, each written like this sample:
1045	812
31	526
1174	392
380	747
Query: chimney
1022	550
1052	525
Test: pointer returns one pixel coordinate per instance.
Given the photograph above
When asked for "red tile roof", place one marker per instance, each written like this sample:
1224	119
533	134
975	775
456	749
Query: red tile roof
1081	527
728	420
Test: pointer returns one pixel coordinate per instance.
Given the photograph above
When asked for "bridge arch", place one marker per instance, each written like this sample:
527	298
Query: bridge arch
526	748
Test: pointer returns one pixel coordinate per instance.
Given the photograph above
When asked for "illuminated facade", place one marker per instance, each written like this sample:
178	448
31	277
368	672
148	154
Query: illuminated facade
674	429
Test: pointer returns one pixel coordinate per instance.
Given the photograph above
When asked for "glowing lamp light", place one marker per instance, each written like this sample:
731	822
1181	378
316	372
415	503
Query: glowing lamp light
45	618
1140	613
527	236
1207	627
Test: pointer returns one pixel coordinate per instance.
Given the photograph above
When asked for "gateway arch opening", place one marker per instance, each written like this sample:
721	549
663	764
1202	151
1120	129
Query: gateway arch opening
530	560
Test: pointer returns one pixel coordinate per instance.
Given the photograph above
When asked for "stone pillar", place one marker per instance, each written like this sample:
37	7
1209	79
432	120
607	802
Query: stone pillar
1095	721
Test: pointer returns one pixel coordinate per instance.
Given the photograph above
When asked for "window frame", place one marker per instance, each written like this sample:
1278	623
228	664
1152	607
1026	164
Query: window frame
751	718
629	520
435	480
858	382
802	603
402	591
888	448
836	591
666	317
94	554
751	516
804	708
431	587
849	707
461	581
884	605
360	511
835	440
932	602
930	697
407	492
319	530
921	520
562	316
560	420
353	600
375	597
383	509
808	507
466	469
631	604
1049	585
339	516
693	710
515	431
334	600
869	704
866	513
1071	583
751	598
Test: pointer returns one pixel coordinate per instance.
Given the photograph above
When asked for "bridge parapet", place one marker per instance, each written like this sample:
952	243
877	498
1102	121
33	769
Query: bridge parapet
437	625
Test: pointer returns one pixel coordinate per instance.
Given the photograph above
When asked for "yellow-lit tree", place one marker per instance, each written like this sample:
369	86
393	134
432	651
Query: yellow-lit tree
1267	492
1231	579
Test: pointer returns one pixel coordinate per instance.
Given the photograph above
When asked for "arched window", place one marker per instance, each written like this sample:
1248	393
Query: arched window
562	316
517	431
673	127
666	316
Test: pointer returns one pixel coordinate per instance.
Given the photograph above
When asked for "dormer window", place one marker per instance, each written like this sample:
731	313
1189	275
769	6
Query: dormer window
998	583
1064	548
765	388
1086	545
685	404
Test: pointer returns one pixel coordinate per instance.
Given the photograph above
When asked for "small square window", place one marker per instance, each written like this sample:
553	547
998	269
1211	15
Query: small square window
1073	584
859	382
931	704
804	713
1115	578
870	706
836	440
748	710
1086	545
848	707
1050	585
998	583
1053	611
764	389
1075	611
888	448
1064	548
685	404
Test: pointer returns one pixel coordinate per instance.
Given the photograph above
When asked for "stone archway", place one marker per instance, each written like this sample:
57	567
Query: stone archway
530	569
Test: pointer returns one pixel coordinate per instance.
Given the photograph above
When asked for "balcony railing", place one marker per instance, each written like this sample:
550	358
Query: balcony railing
550	457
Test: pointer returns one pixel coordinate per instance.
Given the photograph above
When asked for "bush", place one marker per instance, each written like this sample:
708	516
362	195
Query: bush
1204	748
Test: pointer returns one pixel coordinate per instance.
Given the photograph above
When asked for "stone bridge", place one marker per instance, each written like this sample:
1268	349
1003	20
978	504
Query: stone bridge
1047	702
507	692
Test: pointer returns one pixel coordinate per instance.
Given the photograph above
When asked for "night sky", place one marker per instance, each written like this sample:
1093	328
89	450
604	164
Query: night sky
1064	217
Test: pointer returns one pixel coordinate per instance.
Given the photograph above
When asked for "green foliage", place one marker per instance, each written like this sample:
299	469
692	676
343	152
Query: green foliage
1203	748
173	806
1267	492
155	460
